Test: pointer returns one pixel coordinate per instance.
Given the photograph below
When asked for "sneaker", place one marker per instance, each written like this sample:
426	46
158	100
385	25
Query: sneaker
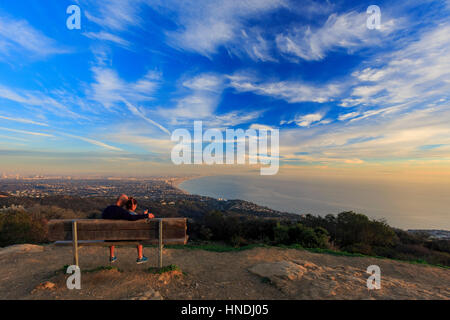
143	260
113	259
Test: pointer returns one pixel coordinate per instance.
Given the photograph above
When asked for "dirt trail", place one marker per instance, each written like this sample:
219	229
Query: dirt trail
292	274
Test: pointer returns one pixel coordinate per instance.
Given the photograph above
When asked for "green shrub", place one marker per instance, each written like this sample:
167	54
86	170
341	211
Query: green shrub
164	269
19	226
281	234
353	228
362	248
288	234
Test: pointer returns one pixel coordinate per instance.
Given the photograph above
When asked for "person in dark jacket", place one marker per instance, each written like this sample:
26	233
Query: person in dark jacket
117	212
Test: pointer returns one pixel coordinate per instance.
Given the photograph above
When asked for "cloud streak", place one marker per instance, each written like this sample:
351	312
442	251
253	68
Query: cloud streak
33	133
414	74
291	91
21	120
109	89
138	113
204	26
18	37
37	99
92	141
346	31
106	36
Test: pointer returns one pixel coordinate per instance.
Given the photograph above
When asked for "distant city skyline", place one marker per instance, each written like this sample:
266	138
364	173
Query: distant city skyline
103	99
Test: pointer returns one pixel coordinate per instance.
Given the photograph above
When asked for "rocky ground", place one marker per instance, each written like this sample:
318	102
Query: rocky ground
36	272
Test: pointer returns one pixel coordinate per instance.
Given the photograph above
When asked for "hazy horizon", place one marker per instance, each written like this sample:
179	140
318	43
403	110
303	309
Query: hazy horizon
404	205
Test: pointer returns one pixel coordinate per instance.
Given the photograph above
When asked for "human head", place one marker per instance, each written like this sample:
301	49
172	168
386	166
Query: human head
131	204
121	200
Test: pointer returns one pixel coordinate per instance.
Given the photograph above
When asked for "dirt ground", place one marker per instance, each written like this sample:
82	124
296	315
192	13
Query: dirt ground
213	275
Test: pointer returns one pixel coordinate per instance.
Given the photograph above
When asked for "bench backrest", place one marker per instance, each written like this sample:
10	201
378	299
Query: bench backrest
173	230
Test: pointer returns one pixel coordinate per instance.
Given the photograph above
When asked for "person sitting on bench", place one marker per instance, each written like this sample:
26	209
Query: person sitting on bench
117	212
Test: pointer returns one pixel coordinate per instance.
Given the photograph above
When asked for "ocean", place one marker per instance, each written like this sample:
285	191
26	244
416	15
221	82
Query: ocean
402	205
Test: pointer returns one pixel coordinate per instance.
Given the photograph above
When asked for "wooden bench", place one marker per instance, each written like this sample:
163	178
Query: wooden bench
100	232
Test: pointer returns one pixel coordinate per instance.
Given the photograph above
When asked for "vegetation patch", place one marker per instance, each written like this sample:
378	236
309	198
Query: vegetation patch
96	269
215	247
164	269
102	268
223	227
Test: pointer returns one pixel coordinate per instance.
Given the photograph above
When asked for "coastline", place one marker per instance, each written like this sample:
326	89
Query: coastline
285	199
178	181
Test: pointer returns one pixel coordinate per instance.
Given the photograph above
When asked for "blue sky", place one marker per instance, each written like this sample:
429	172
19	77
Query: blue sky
108	95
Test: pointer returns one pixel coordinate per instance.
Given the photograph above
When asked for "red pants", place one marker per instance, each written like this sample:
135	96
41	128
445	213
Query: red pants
139	251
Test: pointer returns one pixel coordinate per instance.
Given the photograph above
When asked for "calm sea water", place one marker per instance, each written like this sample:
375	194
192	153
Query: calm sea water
403	205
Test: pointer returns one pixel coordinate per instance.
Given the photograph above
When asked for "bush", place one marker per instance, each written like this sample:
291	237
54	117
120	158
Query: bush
281	234
301	235
438	245
362	248
238	241
22	227
354	228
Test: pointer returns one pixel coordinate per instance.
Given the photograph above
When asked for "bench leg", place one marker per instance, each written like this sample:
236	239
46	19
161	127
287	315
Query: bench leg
160	244
75	243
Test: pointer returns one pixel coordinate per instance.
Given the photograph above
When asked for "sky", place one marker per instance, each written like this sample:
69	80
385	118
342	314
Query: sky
104	99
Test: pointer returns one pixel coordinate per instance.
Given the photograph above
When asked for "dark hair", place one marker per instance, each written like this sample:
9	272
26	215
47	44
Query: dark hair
130	203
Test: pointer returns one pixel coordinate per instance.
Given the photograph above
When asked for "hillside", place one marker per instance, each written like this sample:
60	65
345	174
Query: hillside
234	222
191	206
259	273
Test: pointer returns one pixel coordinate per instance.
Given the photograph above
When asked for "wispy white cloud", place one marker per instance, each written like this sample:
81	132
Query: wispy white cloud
106	36
92	141
109	89
306	120
377	112
346	31
415	74
5	137
140	114
21	120
38	100
112	92
33	133
205	82
349	115
115	14
143	138
254	44
401	105
257	126
201	98
19	38
204	26
398	137
291	91
231	119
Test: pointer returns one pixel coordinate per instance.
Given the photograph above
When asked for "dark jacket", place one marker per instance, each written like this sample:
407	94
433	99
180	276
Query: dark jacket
117	213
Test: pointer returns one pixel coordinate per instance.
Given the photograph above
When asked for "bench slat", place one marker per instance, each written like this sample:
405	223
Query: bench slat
100	243
98	229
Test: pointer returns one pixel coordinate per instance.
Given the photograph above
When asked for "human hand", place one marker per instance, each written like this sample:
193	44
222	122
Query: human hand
150	216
